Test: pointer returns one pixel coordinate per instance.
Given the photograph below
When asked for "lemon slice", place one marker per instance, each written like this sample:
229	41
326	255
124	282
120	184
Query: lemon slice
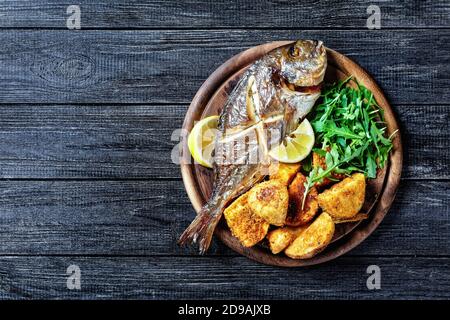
295	146
201	140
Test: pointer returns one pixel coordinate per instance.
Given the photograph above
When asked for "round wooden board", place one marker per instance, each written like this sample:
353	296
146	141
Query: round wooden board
212	96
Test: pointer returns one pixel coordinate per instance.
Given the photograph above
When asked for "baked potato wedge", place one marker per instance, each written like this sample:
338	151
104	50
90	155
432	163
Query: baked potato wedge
284	172
344	199
269	200
296	215
312	240
244	224
280	238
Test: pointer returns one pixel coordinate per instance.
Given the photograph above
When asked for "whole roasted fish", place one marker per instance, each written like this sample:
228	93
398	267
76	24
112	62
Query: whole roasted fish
271	98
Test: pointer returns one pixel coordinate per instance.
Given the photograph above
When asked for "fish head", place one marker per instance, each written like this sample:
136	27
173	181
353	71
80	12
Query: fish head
303	63
302	70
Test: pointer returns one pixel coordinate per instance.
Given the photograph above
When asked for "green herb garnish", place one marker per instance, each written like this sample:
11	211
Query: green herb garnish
349	123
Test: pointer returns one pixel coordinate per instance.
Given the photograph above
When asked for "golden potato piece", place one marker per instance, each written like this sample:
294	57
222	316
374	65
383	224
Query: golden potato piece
296	215
284	172
313	240
245	225
344	199
269	200
280	238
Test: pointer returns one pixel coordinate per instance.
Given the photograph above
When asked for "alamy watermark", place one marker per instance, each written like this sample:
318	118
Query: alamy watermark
74	277
374	20
73	22
374	280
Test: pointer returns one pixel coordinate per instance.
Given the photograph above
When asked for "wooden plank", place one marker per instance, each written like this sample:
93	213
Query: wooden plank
428	152
135	141
82	141
220	278
147	217
168	66
228	14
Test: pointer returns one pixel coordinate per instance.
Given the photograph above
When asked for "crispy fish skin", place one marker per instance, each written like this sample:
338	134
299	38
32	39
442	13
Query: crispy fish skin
344	199
244	224
313	240
296	214
264	91
269	200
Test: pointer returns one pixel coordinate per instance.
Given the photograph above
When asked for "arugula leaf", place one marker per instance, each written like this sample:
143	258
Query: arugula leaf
371	168
307	164
349	123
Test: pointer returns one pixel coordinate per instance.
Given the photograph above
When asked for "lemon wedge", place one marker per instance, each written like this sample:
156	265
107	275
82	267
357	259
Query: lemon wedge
295	146
201	140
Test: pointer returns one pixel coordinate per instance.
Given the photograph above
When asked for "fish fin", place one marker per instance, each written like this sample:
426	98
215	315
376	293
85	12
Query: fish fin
201	229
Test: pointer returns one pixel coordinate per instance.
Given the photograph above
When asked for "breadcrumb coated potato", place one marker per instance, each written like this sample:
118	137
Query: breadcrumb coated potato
280	238
312	240
284	172
344	199
245	225
269	200
296	215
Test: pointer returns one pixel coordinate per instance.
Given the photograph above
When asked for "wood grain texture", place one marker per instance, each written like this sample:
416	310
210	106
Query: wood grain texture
169	66
136	141
217	14
147	217
101	135
221	277
83	141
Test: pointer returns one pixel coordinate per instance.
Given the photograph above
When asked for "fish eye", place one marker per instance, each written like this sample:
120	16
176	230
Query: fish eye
294	51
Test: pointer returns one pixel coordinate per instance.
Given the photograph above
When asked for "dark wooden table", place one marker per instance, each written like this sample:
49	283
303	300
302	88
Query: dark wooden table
86	122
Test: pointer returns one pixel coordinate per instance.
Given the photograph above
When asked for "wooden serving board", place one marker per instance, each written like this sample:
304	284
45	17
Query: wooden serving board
198	180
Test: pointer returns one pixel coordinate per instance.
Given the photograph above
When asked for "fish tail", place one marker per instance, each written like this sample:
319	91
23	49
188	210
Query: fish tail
202	228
